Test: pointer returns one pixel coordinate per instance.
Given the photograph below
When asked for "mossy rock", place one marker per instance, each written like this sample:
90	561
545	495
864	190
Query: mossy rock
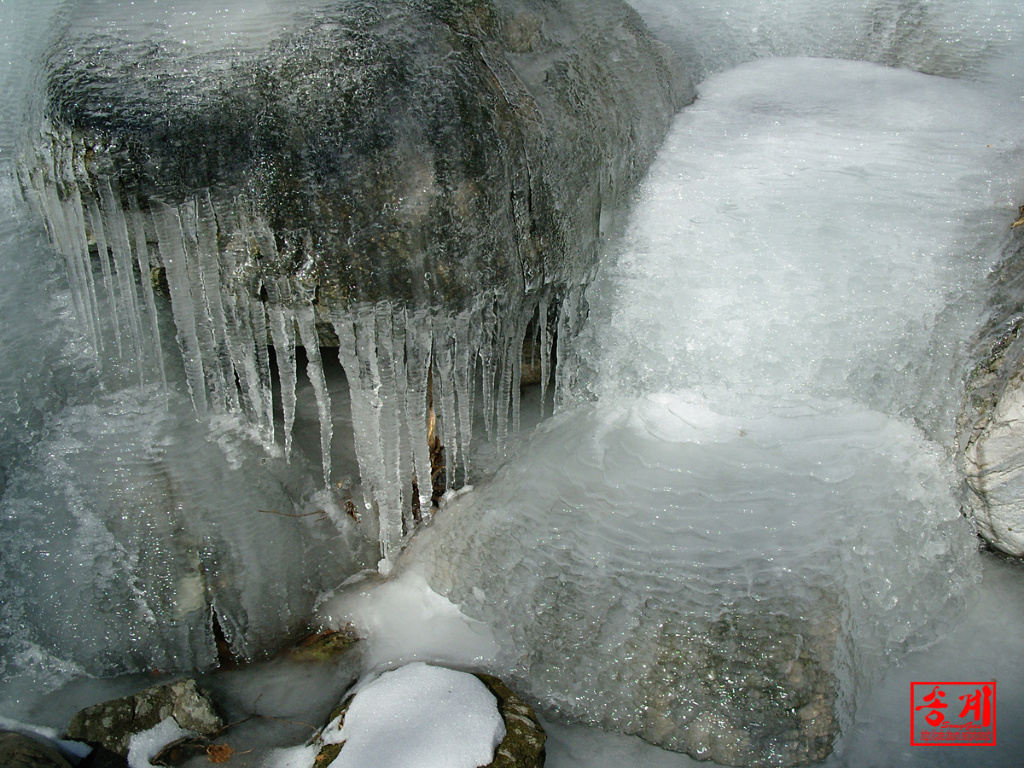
111	724
323	647
523	745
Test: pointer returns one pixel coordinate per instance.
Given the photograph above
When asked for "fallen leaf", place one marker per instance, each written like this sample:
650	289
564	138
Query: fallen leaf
219	753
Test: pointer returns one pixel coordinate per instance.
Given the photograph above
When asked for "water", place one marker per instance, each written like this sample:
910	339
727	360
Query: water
754	445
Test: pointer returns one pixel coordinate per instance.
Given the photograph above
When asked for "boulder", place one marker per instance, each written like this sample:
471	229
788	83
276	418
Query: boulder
427	153
753	687
421	184
111	724
991	421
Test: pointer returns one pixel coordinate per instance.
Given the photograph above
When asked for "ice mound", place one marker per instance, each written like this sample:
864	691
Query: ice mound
707	579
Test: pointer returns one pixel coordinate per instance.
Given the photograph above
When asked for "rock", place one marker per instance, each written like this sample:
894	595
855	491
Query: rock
112	723
753	687
522	746
323	646
417	183
19	751
485	147
991	422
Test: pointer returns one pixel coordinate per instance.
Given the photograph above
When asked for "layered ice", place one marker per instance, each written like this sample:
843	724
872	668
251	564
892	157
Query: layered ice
812	226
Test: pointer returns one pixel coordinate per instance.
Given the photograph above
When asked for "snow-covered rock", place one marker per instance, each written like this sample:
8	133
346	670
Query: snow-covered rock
419	714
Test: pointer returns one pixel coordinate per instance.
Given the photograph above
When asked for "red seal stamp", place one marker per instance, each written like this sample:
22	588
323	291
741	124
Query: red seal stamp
961	713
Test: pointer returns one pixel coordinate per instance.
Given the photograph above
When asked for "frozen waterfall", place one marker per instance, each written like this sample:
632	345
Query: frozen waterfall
745	509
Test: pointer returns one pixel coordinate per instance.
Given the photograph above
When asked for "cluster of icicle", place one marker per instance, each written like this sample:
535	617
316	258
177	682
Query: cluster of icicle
409	370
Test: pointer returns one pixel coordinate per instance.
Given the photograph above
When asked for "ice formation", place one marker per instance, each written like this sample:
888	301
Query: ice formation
752	514
415	199
224	315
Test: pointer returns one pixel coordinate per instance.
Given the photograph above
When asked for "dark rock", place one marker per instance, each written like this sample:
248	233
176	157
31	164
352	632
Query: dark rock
112	723
19	751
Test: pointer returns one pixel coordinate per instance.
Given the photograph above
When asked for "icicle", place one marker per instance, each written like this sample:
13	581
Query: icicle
398	472
506	377
145	278
544	343
357	344
418	345
58	228
213	285
116	229
315	370
169	241
444	395
571	315
260	331
95	222
466	344
518	341
282	331
489	368
217	379
246	333
78	242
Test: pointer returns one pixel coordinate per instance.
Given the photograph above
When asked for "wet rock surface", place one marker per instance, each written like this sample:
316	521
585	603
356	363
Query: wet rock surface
523	745
753	687
111	724
991	422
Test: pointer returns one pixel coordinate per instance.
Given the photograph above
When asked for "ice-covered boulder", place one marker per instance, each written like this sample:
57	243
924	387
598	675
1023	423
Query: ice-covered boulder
417	183
991	423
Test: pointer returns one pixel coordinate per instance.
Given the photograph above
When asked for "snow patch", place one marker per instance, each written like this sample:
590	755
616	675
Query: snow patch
405	620
145	745
420	715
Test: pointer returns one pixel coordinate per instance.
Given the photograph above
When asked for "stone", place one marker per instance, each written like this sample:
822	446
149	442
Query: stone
991	421
485	147
111	724
523	745
323	646
20	751
753	687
